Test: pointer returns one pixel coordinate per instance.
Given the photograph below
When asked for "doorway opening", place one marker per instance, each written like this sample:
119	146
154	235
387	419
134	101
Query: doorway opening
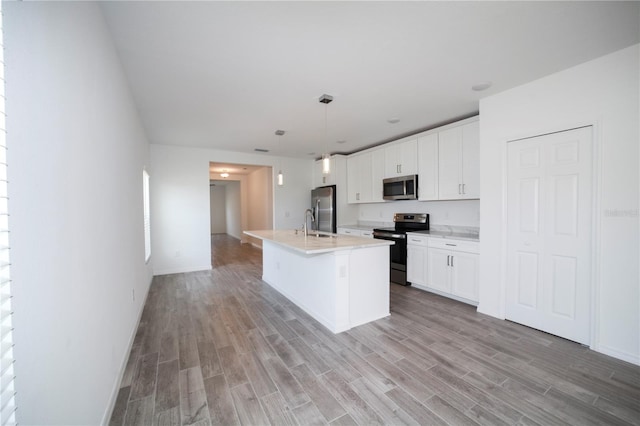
240	199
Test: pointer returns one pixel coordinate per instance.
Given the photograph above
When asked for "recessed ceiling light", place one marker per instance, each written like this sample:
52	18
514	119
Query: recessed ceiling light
479	87
341	141
393	120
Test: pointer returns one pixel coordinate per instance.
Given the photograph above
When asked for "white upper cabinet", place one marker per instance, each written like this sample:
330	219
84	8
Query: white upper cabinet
400	159
377	162
428	167
447	164
471	160
458	162
364	177
359	178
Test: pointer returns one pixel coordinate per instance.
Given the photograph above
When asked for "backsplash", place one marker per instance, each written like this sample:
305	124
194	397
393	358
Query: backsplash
451	213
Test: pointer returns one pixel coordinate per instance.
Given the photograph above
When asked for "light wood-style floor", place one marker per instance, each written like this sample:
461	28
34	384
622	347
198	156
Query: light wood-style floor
222	347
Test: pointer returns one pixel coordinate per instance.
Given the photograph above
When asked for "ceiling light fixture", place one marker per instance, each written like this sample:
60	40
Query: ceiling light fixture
326	157
479	87
280	175
224	174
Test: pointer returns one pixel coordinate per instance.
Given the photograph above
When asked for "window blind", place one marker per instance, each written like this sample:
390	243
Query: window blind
7	390
147	219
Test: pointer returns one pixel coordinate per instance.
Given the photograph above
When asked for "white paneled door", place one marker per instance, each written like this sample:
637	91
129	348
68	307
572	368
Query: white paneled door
549	204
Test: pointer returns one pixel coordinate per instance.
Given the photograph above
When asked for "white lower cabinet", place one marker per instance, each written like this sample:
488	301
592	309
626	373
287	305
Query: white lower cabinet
445	266
416	264
439	277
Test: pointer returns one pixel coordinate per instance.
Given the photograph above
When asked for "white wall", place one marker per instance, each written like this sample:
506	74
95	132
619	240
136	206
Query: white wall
451	213
180	201
605	93
259	206
76	155
233	211
289	209
218	209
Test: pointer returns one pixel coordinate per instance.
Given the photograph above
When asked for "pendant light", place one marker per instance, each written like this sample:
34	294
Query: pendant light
326	157
279	133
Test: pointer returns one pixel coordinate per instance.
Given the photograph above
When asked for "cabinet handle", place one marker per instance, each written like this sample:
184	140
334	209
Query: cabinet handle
463	188
448	260
447	244
357	196
399	168
452	261
459	188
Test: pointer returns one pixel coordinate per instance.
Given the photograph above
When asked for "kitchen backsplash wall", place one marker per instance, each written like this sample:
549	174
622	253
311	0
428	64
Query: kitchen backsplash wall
457	213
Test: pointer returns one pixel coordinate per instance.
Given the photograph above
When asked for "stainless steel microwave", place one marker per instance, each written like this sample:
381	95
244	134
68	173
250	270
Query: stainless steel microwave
400	188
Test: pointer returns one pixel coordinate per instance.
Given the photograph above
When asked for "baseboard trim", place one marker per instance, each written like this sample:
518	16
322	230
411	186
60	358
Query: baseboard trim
618	354
182	270
114	392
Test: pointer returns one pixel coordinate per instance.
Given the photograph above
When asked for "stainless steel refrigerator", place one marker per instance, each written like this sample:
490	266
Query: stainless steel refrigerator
323	204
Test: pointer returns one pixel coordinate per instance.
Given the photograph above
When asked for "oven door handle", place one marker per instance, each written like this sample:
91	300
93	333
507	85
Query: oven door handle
385	235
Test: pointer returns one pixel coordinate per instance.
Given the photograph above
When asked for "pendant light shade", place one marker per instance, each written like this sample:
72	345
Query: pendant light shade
326	157
326	163
280	180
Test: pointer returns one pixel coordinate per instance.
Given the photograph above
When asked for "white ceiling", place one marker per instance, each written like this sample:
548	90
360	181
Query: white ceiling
228	74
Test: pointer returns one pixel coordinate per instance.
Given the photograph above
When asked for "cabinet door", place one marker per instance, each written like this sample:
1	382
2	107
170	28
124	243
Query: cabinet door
449	164
377	174
317	174
408	153
365	177
438	269
471	160
416	267
428	167
353	179
392	161
464	277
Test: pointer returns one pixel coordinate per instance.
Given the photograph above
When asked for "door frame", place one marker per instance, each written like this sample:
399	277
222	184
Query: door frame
596	193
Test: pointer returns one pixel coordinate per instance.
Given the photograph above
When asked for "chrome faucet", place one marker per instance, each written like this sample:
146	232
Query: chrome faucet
307	212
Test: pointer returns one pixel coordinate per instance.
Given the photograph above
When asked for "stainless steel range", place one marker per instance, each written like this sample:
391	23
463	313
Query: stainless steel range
404	222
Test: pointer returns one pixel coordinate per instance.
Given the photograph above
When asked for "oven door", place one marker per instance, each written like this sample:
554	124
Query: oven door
397	255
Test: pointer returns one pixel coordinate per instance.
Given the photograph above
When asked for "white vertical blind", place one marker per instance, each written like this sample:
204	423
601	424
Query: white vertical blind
147	219
7	390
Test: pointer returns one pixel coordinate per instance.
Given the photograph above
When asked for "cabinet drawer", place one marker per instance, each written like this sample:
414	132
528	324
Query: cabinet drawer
348	231
417	240
455	245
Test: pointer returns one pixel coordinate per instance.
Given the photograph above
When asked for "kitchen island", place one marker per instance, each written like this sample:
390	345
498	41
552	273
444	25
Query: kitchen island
341	281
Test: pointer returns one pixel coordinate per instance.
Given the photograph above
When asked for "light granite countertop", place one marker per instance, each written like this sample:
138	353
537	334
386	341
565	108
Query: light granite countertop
454	235
315	245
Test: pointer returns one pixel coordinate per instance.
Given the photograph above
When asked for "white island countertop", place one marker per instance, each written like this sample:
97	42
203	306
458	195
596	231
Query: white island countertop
315	245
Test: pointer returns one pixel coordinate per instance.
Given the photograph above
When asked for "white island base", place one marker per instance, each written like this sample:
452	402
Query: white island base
341	288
